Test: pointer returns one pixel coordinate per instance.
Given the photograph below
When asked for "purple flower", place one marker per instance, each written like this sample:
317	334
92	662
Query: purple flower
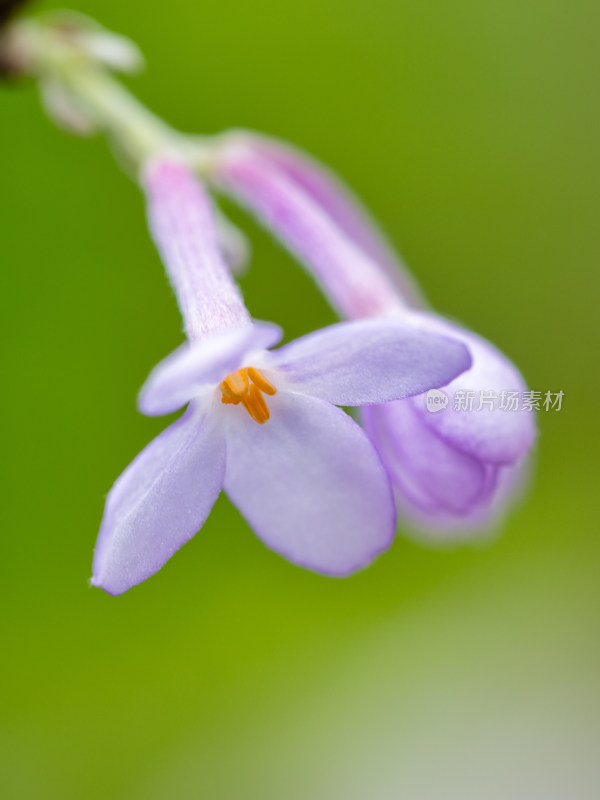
261	424
454	470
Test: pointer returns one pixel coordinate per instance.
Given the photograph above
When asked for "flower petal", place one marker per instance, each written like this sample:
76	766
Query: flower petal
483	519
310	484
498	436
192	367
160	501
431	473
369	361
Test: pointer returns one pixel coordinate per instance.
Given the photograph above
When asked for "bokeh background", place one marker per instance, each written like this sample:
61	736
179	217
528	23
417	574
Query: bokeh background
471	129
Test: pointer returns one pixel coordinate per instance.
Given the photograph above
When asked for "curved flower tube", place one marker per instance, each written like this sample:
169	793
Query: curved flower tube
453	471
261	424
342	207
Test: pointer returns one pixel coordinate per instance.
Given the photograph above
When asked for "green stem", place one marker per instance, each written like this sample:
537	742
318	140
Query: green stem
118	113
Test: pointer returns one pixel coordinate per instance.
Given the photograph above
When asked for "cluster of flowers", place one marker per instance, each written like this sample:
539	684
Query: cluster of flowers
263	423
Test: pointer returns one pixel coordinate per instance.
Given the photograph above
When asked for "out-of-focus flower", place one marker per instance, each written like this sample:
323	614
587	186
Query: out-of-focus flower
262	425
453	471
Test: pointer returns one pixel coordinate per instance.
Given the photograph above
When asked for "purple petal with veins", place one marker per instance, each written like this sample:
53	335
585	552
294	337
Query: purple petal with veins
159	502
312	489
369	361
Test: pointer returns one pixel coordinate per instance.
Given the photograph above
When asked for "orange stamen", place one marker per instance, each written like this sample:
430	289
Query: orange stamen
255	404
236	388
236	384
259	379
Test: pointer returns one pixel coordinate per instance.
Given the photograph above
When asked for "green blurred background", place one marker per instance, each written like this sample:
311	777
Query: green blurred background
471	129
